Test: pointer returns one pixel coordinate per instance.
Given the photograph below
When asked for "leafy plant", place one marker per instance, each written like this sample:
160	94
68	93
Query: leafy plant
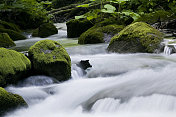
108	8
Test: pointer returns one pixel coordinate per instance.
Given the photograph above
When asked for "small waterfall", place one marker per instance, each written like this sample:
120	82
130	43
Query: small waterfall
167	50
37	81
153	103
77	72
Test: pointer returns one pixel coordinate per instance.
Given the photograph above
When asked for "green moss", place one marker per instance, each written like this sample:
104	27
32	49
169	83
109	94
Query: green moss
9	101
13	34
96	34
50	58
5	40
137	37
76	27
91	36
46	30
11	26
13	65
111	29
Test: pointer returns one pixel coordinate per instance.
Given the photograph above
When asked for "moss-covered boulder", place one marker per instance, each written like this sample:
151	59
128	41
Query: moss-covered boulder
99	34
137	37
9	101
45	30
13	34
6	41
48	57
8	25
13	66
76	27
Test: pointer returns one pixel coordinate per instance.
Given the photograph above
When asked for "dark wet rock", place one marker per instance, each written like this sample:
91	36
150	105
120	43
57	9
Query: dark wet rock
84	64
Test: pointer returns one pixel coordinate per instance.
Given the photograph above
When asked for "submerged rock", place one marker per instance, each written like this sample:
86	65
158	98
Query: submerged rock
137	37
45	30
13	66
9	101
99	34
49	58
76	27
84	64
5	40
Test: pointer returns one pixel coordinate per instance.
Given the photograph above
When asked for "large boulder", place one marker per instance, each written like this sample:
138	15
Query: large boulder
9	101
45	30
76	27
13	34
137	37
99	34
6	41
48	57
13	66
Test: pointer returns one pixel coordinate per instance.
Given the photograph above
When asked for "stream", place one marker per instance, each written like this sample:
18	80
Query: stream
117	85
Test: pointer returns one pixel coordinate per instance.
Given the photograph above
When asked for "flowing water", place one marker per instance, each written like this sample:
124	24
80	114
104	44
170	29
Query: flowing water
117	85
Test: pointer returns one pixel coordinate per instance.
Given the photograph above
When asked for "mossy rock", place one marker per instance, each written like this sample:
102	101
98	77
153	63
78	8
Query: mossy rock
11	26
50	58
13	34
97	34
9	101
76	27
137	37
6	41
47	29
13	66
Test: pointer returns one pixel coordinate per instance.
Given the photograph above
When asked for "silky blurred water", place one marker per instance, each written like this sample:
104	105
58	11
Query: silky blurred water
123	85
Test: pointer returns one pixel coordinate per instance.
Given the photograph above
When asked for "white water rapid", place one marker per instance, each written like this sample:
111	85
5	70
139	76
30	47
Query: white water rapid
117	85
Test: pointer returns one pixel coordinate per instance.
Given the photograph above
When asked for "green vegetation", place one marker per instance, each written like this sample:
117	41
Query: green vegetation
5	40
9	101
137	37
50	58
130	8
25	13
13	66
